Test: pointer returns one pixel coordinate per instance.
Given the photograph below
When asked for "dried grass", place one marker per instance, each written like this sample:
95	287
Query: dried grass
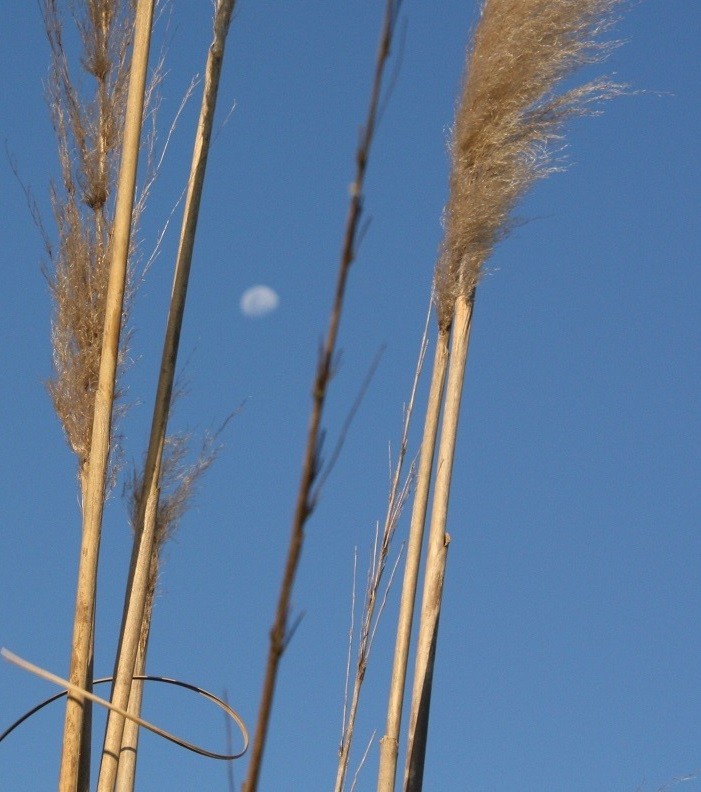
89	283
142	555
307	493
178	484
88	128
510	114
508	119
88	132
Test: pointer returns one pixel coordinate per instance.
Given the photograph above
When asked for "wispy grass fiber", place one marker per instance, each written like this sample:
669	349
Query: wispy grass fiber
509	120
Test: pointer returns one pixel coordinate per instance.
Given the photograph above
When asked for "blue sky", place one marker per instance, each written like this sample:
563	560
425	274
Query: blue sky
570	646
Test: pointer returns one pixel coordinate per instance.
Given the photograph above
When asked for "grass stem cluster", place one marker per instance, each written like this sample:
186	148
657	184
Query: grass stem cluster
508	124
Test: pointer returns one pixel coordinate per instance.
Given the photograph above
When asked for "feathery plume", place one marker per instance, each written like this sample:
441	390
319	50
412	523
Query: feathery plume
508	118
507	123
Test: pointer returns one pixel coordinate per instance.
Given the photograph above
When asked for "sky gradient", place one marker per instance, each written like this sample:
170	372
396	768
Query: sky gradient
569	648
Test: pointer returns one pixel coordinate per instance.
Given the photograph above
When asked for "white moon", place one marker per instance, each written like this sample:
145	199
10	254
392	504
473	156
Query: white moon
259	301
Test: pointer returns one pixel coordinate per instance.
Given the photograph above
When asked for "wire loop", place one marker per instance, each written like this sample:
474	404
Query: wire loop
74	690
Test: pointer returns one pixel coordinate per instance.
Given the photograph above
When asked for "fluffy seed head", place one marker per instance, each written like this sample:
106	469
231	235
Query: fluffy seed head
507	119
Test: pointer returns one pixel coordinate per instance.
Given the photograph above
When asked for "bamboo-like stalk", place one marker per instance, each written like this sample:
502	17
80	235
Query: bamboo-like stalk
126	772
508	116
87	142
89	137
305	501
373	606
104	399
389	744
145	529
438	541
178	484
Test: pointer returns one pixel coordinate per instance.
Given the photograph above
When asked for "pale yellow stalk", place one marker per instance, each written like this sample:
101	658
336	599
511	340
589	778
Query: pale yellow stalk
126	774
438	541
145	528
104	399
389	744
507	119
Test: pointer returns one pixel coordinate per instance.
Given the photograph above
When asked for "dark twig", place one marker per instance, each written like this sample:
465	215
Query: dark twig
350	417
304	504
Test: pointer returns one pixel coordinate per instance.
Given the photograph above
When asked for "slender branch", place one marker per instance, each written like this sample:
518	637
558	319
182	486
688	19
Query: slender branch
372	611
304	503
438	541
390	742
351	635
104	399
145	533
347	423
361	764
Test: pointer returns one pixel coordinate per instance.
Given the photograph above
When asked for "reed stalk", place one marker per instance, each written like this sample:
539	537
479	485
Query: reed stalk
389	744
438	541
375	600
508	118
305	500
126	771
75	760
178	484
145	538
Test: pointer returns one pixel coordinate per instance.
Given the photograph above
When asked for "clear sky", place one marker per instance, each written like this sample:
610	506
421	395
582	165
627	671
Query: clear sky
570	648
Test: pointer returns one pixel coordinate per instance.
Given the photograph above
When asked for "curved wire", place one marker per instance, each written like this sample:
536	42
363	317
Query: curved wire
145	724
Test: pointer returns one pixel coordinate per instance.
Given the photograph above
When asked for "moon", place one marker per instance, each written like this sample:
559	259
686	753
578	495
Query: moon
259	301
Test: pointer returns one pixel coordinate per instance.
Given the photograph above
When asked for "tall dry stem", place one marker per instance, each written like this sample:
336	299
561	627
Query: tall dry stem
104	400
508	118
305	503
177	486
389	744
373	605
145	539
438	541
88	130
126	771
